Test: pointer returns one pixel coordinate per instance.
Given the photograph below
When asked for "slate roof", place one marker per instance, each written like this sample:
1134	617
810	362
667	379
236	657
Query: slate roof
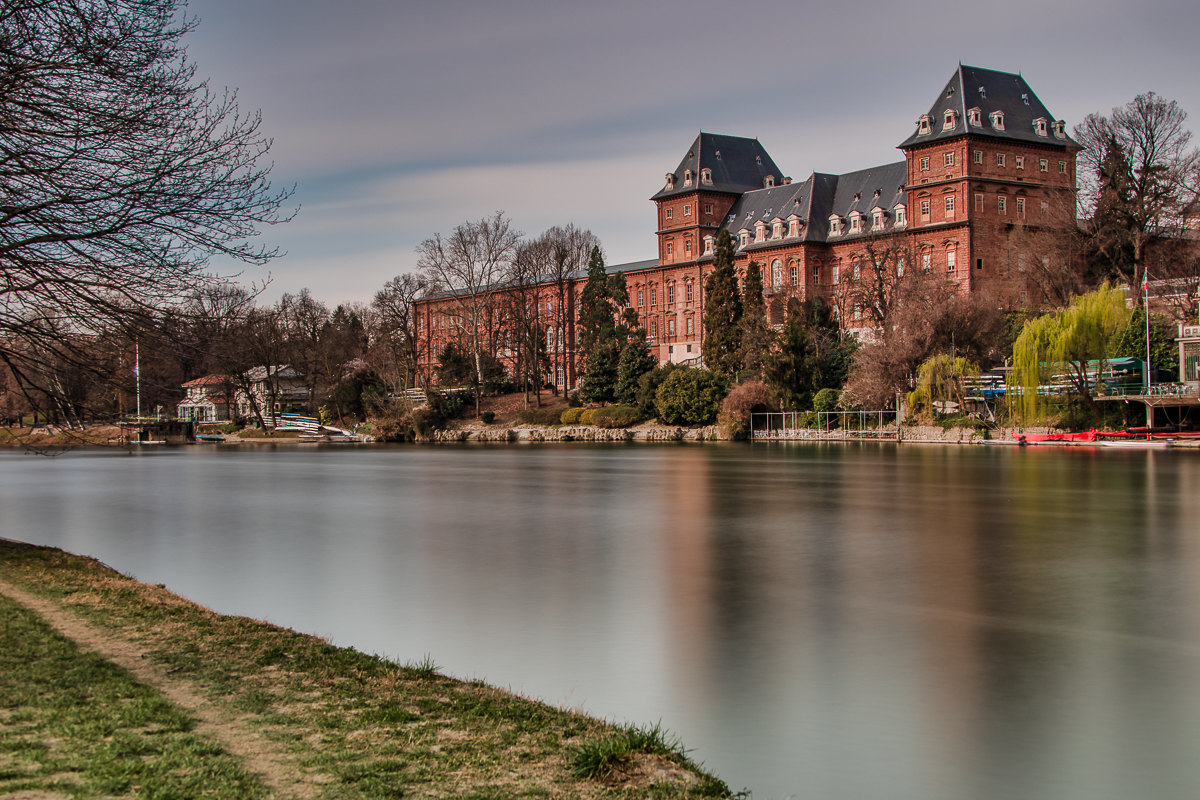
989	91
738	165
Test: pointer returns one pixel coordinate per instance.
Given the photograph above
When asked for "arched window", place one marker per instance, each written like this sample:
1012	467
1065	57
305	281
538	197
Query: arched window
776	273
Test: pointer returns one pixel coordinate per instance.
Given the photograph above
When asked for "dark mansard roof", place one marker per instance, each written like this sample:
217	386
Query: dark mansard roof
990	92
738	165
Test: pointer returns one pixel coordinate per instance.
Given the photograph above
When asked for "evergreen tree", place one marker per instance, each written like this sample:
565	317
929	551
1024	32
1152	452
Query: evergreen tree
597	313
636	361
756	333
790	370
722	311
601	337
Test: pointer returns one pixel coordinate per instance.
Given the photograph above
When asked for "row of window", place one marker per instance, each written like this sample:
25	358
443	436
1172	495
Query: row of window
688	288
1001	160
1041	125
687	210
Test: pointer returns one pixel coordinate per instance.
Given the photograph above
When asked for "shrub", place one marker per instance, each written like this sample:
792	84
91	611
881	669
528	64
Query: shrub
540	416
732	427
487	417
747	398
573	400
586	416
571	416
229	427
616	417
648	388
826	400
690	396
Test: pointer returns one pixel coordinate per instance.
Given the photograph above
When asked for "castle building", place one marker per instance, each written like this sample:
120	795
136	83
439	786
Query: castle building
986	158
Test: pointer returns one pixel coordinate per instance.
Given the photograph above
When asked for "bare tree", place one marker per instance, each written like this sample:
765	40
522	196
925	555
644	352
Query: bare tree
567	252
121	175
395	340
1139	176
469	266
523	314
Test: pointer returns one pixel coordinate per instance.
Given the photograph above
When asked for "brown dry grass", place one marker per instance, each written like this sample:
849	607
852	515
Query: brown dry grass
351	725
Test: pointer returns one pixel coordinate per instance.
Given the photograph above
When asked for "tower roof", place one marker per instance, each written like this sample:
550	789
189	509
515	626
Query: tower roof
992	93
736	164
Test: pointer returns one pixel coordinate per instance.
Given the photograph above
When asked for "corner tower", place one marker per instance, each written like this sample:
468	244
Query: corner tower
713	174
987	156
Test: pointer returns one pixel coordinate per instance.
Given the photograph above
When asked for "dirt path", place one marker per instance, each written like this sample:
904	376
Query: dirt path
276	768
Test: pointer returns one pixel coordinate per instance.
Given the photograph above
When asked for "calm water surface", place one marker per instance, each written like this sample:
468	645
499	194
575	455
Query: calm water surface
835	622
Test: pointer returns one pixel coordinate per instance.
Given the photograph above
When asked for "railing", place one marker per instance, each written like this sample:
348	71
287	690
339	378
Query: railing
797	425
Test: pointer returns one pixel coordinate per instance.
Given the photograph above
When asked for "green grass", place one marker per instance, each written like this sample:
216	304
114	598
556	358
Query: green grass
598	758
108	734
356	725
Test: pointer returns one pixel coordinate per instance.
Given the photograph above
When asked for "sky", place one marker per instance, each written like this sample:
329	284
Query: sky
398	120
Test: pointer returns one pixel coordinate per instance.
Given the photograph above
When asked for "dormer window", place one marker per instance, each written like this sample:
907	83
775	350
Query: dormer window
708	245
670	181
1039	126
706	176
901	216
1025	99
949	121
743	237
760	231
769	181
835	225
924	125
687	177
876	219
975	117
1060	129
793	226
997	120
777	229
855	222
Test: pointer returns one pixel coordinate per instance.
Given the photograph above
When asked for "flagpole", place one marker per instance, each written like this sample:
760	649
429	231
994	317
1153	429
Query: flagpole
1146	302
137	374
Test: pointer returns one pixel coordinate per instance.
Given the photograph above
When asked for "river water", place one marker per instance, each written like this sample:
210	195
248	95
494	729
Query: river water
843	622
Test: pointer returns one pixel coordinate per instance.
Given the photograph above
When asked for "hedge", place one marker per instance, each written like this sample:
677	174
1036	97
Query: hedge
540	416
571	416
616	417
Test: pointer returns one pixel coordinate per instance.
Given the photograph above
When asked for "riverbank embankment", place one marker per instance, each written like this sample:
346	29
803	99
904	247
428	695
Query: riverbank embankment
113	687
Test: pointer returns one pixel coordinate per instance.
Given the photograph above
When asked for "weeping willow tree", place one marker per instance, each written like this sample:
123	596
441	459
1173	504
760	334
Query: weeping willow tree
1057	347
940	378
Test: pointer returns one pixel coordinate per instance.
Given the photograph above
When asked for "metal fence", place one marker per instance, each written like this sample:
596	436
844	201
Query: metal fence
798	425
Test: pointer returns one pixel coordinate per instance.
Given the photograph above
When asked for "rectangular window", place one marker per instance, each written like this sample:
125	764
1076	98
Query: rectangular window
999	159
639	298
978	156
669	248
833	274
793	275
653	328
687	247
689	326
671	293
687	211
689	292
949	159
1020	206
1062	167
1020	162
925	259
668	213
708	208
924	165
979	263
653	297
1045	206
670	327
900	266
925	209
978	203
816	276
1044	165
559	376
1002	204
949	204
950	260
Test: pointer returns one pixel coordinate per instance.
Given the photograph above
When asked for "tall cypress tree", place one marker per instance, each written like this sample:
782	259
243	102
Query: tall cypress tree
722	311
756	333
601	338
596	310
635	362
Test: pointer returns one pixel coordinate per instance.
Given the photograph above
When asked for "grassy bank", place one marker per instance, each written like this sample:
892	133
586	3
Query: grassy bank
280	713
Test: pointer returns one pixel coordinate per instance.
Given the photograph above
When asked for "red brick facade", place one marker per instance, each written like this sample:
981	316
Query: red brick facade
973	170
